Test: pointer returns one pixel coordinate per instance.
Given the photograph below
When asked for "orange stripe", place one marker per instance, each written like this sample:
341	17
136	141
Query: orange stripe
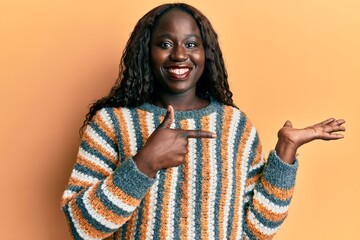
124	132
165	203
144	129
131	225
103	151
76	182
120	194
279	193
253	179
146	209
268	214
256	232
239	177
102	209
258	156
84	224
224	155
112	237
146	216
66	200
83	161
205	125
105	128
184	207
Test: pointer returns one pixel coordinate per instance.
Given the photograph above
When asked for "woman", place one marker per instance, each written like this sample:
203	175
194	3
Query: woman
168	155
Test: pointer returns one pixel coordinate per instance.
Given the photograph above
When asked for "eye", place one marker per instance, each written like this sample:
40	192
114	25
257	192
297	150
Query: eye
191	44
165	45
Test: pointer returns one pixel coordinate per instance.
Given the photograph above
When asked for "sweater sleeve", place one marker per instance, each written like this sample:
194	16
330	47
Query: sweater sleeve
268	194
103	190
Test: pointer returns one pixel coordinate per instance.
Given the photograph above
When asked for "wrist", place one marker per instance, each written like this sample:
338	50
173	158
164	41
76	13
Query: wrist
144	166
286	151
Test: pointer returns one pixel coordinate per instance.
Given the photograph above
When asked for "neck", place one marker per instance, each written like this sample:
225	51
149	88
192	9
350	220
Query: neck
180	102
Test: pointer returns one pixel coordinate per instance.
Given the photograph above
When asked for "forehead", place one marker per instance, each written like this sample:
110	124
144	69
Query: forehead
176	21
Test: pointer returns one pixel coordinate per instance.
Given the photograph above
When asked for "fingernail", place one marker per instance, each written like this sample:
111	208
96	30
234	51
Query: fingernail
213	135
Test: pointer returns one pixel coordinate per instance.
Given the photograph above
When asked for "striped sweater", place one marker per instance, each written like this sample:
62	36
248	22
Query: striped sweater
223	190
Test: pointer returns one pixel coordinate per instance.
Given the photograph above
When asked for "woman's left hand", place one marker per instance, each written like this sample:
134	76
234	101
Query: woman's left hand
290	139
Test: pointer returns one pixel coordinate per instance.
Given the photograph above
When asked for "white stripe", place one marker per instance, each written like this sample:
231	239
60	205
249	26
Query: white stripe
154	188
82	177
172	198
107	119
101	141
152	209
245	163
131	131
258	165
270	205
115	200
136	217
95	160
213	179
68	193
250	187
95	214
262	228
191	186
231	155
78	227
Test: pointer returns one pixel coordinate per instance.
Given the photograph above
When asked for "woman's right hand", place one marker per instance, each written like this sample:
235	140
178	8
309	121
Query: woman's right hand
166	147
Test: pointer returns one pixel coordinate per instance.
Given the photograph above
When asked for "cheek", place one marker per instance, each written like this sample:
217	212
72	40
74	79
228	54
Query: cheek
157	57
199	58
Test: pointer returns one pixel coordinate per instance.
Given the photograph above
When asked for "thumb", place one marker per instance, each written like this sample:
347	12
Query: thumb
288	124
169	118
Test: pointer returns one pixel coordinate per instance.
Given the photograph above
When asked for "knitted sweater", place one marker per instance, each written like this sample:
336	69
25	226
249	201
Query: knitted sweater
223	190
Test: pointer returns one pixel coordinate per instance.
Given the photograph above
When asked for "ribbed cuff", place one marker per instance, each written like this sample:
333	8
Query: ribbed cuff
280	173
131	180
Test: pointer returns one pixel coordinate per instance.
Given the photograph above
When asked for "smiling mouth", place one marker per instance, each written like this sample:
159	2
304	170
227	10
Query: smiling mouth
178	73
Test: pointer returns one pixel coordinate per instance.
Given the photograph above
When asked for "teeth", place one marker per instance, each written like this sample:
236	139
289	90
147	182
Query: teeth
178	71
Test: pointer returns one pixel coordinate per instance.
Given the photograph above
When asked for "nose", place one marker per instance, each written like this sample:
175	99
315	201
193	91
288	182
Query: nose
179	54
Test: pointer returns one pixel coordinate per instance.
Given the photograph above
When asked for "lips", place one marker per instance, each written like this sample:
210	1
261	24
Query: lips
178	73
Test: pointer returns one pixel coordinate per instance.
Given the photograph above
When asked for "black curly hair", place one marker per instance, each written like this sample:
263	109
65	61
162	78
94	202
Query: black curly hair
135	84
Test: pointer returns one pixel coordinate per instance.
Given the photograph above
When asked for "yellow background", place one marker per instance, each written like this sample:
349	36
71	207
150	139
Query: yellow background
296	60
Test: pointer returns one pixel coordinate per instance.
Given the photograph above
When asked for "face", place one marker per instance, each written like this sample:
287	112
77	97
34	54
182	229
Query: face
177	53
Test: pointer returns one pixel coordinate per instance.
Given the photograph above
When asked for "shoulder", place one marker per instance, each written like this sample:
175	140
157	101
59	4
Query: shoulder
236	113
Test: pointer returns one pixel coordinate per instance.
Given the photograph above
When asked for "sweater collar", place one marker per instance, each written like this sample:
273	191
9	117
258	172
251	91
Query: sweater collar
212	107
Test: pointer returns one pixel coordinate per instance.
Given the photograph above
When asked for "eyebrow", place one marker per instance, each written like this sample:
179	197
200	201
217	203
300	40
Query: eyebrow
168	35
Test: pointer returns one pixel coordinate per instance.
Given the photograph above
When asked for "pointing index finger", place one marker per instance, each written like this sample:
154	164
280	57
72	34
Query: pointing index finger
198	134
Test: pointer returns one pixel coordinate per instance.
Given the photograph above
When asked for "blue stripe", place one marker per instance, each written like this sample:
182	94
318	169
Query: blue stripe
218	193
103	198
252	154
87	171
198	181
264	221
74	188
178	196
71	223
124	231
137	128
159	205
248	232
239	133
160	177
118	133
255	172
139	220
271	197
93	222
103	135
86	147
